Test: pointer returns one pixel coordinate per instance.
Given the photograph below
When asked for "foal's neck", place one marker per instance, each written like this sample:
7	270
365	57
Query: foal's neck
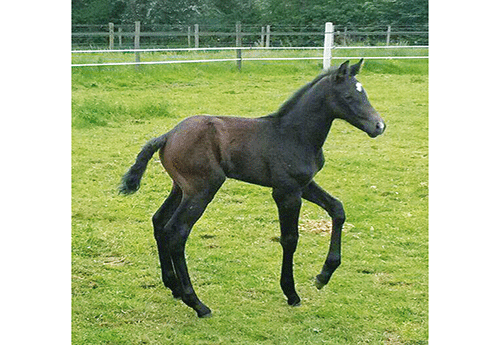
310	120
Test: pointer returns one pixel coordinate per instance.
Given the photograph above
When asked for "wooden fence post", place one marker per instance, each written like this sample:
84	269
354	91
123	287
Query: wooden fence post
137	44
268	36
120	37
327	49
262	35
196	36
189	36
388	35
238	44
111	36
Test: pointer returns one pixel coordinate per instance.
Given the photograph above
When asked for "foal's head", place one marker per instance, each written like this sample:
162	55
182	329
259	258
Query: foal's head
348	100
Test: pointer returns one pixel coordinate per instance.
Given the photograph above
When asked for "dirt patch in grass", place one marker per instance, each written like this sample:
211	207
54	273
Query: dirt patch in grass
321	226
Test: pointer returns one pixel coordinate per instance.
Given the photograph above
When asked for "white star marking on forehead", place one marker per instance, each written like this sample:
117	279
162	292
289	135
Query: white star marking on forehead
359	87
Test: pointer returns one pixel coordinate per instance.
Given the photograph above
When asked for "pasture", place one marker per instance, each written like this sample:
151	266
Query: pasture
379	295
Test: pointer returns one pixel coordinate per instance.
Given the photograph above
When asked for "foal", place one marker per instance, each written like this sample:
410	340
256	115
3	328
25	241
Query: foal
282	151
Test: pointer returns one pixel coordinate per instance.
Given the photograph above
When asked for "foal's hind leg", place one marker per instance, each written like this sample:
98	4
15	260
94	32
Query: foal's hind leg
315	194
178	230
160	219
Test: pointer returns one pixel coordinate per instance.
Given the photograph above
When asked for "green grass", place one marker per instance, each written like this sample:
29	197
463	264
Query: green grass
379	295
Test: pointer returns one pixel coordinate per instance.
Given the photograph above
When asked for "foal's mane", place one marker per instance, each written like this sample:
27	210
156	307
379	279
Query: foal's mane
292	101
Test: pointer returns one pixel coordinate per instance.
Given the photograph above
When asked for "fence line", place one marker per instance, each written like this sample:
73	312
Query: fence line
108	34
154	50
328	47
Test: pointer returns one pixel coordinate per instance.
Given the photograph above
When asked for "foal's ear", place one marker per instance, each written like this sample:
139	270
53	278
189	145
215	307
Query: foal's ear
342	72
357	67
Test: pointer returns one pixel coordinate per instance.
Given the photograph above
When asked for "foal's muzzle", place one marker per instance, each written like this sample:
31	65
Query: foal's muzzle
379	129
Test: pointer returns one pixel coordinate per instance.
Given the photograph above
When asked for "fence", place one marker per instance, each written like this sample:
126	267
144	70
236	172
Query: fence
124	36
245	42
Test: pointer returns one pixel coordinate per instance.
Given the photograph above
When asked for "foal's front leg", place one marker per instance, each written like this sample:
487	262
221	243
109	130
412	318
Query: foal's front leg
289	209
314	193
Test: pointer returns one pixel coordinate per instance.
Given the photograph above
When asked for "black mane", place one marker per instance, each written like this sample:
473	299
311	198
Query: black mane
292	101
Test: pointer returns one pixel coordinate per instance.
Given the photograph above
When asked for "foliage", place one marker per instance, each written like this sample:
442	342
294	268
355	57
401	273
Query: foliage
97	11
262	12
378	295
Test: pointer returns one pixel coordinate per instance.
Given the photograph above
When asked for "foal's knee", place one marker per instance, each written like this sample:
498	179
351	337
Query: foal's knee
337	212
289	242
339	220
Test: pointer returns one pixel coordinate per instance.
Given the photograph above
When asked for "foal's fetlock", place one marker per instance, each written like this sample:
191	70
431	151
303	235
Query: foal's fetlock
191	300
326	273
175	289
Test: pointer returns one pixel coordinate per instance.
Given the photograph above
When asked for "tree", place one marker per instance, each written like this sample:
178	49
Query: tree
303	13
231	11
97	11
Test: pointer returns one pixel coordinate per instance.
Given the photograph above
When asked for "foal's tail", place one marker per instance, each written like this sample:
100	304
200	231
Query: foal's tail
132	179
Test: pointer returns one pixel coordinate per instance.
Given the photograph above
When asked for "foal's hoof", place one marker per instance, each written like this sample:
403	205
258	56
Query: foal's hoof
205	316
319	285
204	313
294	301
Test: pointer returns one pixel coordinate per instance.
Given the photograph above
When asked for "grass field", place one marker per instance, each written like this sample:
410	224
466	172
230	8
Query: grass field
379	295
